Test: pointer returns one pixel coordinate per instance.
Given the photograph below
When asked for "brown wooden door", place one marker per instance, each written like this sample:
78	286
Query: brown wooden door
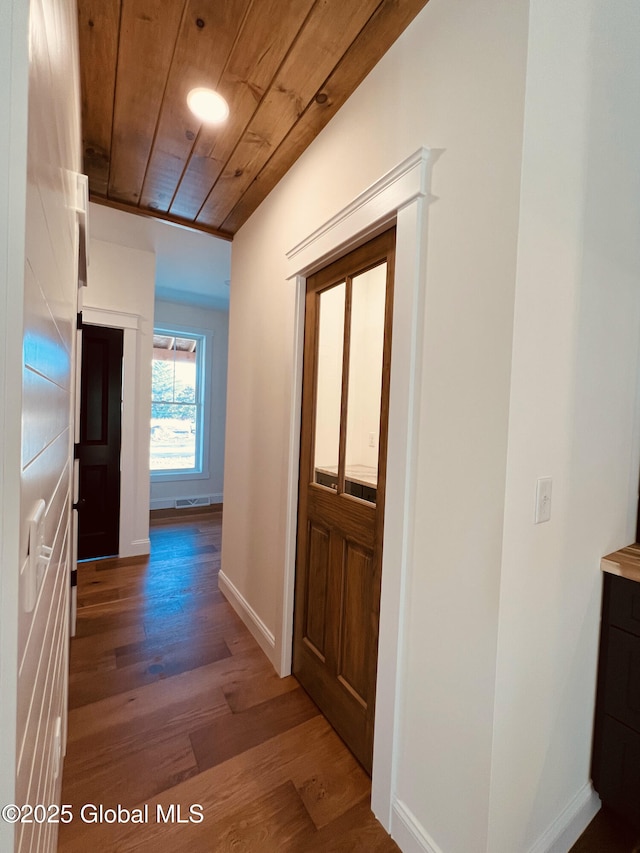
100	441
342	479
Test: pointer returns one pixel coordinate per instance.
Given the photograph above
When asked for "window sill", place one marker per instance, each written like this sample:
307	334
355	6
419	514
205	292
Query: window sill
163	476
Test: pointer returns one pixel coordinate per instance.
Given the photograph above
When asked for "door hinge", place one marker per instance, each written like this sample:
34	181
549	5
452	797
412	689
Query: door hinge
76	451
79	320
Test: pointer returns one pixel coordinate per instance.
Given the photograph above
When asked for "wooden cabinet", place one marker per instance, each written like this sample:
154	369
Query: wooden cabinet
616	744
323	478
354	486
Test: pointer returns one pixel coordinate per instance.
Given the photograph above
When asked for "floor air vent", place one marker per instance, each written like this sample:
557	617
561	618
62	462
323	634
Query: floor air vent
183	503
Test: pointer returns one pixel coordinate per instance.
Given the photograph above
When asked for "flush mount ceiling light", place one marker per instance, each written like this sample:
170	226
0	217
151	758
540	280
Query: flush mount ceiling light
207	105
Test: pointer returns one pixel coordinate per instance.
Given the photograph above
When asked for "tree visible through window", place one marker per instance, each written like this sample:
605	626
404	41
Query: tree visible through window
175	403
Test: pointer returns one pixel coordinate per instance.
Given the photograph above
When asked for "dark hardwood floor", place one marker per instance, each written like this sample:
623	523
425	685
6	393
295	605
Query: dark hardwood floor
607	833
172	703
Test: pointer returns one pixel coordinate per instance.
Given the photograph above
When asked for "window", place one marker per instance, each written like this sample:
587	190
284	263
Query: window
177	403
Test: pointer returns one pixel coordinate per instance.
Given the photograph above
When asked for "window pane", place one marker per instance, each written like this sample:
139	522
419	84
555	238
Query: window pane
176	412
329	384
163	342
162	380
185	383
185	370
174	369
365	382
173	436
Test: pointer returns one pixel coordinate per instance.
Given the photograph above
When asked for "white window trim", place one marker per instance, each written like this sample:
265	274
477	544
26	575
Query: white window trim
204	356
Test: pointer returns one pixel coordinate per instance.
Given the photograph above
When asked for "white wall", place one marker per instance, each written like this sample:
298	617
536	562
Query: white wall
142	266
574	391
34	642
454	82
14	75
470	102
121	281
530	369
215	325
191	266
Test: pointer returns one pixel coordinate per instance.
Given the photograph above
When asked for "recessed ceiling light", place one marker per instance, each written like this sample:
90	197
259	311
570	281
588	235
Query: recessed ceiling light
208	105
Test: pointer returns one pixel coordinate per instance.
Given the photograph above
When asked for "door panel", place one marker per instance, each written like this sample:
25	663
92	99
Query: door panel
100	442
354	619
344	515
341	497
317	587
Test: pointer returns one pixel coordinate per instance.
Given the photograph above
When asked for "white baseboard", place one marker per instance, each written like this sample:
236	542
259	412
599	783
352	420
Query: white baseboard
412	837
262	635
408	832
162	503
169	503
137	548
570	824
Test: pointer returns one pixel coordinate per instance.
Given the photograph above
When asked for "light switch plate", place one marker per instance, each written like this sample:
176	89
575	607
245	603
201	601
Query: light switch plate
56	747
543	500
34	551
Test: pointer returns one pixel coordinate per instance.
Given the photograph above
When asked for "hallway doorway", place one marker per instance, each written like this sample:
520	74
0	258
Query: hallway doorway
98	451
345	408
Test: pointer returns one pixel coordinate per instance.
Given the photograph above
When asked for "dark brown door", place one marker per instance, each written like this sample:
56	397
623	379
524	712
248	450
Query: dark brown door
342	479
100	441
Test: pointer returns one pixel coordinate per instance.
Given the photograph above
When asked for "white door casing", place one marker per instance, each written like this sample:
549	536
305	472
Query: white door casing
130	324
401	196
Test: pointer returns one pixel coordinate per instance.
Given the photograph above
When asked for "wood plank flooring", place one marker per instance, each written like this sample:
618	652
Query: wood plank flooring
173	704
607	833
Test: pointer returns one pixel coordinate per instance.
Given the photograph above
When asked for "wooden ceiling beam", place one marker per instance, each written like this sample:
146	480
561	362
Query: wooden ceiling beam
161	215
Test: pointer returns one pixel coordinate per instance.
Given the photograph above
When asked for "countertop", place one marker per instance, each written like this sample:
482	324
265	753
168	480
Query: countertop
363	474
625	563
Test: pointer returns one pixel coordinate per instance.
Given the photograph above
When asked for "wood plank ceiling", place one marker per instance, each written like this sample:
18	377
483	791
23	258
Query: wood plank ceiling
284	66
